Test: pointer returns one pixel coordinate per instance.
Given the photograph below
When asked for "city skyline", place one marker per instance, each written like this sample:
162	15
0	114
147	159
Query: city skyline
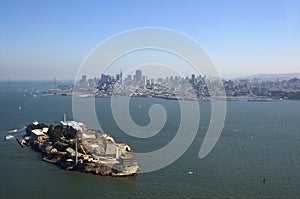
131	76
177	87
50	39
140	78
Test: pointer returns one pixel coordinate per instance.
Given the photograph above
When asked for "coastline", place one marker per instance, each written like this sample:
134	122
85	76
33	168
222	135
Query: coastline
228	98
72	146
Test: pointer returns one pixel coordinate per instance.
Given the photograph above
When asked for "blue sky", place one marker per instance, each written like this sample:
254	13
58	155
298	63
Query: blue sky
47	39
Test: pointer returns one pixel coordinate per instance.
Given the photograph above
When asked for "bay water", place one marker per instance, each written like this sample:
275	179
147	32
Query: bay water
260	140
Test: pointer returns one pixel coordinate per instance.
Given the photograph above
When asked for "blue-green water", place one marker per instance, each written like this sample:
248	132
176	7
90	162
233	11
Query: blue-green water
259	140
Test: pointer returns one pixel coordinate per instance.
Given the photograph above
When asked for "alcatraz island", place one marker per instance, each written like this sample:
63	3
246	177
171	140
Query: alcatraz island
71	145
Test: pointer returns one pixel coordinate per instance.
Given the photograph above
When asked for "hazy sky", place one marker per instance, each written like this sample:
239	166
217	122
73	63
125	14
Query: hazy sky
46	39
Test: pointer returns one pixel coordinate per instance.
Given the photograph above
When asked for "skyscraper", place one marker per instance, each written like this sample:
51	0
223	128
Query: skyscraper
138	76
121	77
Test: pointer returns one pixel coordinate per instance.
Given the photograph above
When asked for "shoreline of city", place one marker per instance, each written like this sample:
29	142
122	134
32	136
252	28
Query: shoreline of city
177	88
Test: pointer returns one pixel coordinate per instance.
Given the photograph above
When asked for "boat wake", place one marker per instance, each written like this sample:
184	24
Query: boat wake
21	130
13	131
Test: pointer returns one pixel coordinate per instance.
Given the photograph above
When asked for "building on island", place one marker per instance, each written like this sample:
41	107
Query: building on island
39	135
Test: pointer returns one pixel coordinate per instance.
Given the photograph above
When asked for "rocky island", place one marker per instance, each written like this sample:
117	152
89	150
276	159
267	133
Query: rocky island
72	146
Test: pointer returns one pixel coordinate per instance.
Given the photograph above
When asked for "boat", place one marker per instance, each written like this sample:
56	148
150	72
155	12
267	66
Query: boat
9	137
22	142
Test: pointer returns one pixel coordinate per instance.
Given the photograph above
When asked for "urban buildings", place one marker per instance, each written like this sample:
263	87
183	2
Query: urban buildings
178	87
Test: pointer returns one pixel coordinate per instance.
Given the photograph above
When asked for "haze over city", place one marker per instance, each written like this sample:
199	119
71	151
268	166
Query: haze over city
42	40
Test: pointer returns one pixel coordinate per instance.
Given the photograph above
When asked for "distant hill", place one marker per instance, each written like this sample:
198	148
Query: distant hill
284	76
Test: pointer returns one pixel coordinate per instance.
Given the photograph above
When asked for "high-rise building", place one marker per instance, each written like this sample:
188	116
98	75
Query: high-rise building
193	78
105	79
91	83
117	77
83	78
129	77
83	82
121	77
128	80
138	76
144	80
